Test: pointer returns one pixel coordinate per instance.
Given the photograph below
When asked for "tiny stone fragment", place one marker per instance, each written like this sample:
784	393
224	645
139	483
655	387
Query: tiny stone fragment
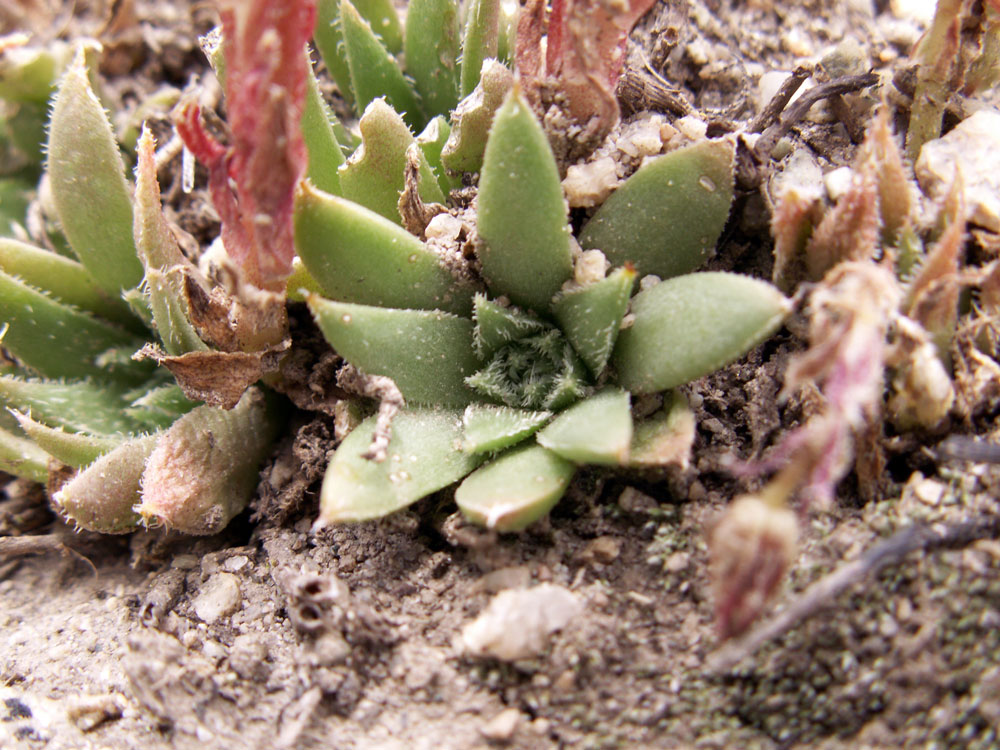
603	549
219	597
501	728
517	624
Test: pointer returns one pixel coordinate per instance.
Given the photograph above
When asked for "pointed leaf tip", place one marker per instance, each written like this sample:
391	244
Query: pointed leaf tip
89	190
523	221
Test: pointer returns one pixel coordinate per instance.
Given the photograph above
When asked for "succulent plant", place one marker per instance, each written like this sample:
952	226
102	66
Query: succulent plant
141	450
519	354
505	350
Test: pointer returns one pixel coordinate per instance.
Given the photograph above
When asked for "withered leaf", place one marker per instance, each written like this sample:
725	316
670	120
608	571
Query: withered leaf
217	378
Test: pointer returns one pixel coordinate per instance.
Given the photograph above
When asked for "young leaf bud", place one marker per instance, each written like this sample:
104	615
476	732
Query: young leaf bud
752	546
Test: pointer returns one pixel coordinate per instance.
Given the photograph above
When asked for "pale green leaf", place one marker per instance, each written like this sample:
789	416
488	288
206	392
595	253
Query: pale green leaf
489	428
374	71
103	495
666	218
56	340
665	437
74	449
591	316
482	29
515	490
22	458
522	215
473	118
325	154
65	279
92	407
427	353
689	326
431	47
374	176
432	142
423	457
596	430
89	190
355	255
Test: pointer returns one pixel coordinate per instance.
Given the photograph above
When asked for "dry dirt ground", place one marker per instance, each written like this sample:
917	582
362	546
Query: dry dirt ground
271	636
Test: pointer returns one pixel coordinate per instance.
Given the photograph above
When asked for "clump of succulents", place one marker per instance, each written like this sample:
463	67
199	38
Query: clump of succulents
505	348
81	401
519	348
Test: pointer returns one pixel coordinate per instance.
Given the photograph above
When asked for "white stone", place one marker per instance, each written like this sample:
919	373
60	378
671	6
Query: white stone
517	623
589	184
219	597
973	147
837	182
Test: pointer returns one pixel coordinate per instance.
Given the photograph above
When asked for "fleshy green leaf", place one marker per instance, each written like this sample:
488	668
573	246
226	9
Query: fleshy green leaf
666	218
423	457
432	141
358	256
170	312
431	48
691	325
161	258
325	154
374	175
54	339
96	408
482	28
74	449
591	316
65	279
427	353
515	490
665	437
473	118
89	190
374	71
522	215
159	407
489	428
381	14
204	469
597	430
102	496
301	282
22	458
329	40
27	73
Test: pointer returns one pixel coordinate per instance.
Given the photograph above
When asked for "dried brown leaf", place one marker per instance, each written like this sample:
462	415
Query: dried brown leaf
794	220
932	299
848	232
881	156
217	378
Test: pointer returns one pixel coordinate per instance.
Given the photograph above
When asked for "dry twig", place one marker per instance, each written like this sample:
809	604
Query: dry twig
820	596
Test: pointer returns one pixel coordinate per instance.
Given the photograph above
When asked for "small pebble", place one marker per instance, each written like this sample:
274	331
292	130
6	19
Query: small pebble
604	549
236	563
219	597
501	728
517	624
